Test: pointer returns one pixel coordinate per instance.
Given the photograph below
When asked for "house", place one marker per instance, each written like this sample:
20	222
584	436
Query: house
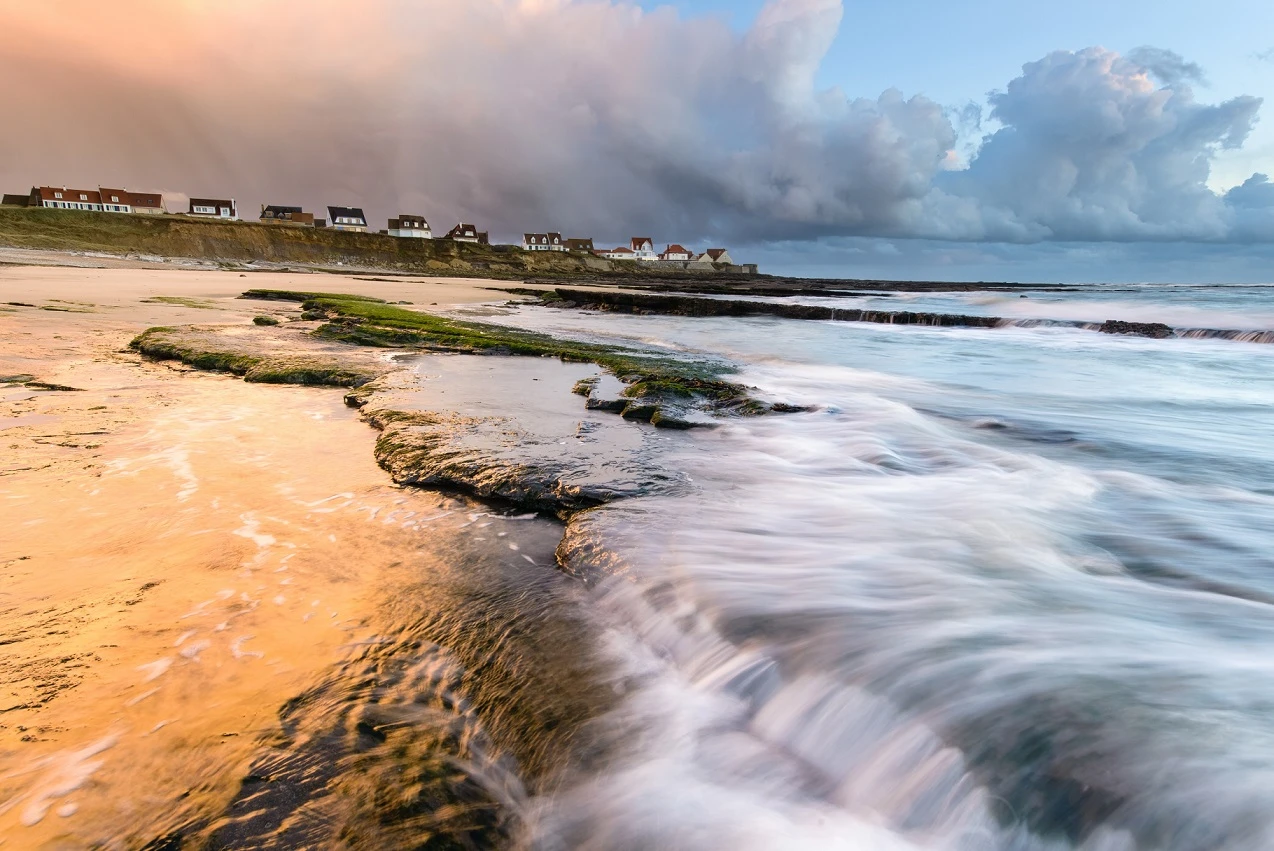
102	201
8	200
65	199
579	245
620	253
217	208
643	248
676	252
465	232
347	218
140	203
543	242
717	255
410	226
280	214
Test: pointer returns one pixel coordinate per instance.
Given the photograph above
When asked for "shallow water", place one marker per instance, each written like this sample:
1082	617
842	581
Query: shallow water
1005	588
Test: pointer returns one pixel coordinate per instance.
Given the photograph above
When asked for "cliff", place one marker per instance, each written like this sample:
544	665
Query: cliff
242	242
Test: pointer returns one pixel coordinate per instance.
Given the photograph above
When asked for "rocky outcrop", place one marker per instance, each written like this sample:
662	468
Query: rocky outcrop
686	305
1139	329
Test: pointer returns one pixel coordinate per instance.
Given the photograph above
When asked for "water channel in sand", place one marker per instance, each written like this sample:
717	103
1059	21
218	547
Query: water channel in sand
221	623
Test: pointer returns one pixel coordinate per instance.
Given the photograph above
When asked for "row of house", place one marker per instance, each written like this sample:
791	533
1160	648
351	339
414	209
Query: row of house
638	248
406	226
103	200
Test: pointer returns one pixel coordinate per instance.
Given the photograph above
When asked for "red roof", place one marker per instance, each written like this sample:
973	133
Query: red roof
677	249
621	250
715	253
51	193
639	241
133	199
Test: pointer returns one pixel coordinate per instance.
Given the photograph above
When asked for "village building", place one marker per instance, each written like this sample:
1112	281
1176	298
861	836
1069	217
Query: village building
138	203
643	248
65	199
281	214
717	255
621	253
102	200
347	218
217	208
8	200
579	245
676	252
408	226
543	242
465	232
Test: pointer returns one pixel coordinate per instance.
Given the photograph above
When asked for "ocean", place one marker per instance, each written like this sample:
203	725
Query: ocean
1005	588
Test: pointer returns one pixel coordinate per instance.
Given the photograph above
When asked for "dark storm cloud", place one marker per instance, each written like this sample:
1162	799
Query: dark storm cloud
596	118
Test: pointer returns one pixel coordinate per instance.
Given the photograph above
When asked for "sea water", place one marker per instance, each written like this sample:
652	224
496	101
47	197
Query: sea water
1005	588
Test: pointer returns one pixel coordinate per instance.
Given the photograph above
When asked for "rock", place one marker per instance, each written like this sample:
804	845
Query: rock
1157	330
264	320
44	385
313	315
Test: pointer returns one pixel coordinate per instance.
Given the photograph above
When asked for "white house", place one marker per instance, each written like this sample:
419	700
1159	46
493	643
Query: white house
717	255
213	208
347	218
543	242
620	253
101	201
123	201
643	248
66	199
676	252
410	227
465	232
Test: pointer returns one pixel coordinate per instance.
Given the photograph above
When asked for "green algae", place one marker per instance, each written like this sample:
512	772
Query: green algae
202	353
181	301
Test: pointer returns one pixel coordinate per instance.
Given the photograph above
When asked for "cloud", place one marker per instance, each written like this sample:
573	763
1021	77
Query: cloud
1166	66
1091	148
597	118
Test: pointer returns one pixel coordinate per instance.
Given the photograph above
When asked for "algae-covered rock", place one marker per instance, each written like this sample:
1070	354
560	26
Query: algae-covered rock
264	320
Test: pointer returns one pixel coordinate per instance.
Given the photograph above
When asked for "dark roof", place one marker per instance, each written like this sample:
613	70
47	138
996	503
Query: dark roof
638	241
334	213
579	244
14	200
278	210
714	253
460	230
677	249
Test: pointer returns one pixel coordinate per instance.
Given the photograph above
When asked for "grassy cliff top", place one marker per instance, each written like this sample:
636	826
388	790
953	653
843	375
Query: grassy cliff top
241	242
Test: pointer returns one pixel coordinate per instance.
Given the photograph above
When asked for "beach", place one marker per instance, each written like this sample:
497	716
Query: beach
422	562
183	553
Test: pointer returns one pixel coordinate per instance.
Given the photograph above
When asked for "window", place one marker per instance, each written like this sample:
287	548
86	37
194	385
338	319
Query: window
83	197
57	194
205	210
115	199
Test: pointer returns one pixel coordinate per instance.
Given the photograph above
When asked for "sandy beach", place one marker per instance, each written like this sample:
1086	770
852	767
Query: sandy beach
182	553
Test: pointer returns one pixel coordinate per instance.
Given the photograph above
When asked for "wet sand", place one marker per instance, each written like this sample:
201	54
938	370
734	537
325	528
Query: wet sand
182	554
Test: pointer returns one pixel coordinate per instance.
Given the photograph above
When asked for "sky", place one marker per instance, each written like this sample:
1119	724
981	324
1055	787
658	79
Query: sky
984	140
